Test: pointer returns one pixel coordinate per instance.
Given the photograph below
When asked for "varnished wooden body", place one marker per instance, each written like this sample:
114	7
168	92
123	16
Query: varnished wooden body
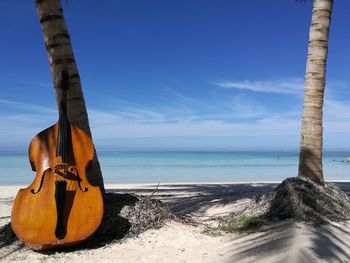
34	216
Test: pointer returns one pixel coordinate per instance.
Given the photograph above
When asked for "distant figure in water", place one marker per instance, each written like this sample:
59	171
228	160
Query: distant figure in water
347	160
278	157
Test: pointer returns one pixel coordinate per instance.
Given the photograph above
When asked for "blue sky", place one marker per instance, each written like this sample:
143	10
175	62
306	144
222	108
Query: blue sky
175	74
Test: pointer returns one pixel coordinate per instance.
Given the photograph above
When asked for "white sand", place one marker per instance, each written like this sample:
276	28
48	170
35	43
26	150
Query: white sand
276	242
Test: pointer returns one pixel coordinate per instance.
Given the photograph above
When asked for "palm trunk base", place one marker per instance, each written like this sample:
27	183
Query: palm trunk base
310	165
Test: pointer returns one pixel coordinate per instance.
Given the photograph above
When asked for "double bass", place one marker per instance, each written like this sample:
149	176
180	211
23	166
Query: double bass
60	207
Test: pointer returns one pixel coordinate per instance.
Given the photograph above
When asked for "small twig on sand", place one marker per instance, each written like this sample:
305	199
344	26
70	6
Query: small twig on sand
155	190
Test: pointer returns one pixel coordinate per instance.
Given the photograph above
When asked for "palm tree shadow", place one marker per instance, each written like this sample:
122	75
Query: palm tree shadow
196	199
272	241
8	241
7	236
290	241
277	241
331	242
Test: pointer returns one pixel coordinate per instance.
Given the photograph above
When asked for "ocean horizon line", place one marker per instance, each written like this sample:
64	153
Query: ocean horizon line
247	151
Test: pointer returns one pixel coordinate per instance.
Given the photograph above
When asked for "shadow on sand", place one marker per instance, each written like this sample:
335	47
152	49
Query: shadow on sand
290	241
275	242
196	199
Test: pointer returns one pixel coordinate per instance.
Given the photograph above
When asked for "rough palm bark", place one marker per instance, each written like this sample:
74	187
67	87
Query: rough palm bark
310	158
61	57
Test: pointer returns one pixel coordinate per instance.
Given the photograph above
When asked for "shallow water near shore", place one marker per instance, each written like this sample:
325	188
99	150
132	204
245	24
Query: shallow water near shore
142	167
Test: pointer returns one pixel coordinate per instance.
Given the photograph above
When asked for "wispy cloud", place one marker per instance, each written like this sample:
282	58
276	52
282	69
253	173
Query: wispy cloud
336	109
237	116
287	86
243	107
38	84
196	128
336	117
20	122
180	116
26	106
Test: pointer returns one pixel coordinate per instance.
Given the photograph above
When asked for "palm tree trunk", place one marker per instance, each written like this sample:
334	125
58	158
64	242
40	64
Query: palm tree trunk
310	158
60	54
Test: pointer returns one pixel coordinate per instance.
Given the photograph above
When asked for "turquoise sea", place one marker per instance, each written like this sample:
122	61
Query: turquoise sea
129	167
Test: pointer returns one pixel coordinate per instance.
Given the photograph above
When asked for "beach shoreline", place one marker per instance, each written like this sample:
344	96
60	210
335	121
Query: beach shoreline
283	240
182	167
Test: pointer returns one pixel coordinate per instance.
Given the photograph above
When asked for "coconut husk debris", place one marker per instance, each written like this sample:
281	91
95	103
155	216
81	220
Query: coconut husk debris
303	200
